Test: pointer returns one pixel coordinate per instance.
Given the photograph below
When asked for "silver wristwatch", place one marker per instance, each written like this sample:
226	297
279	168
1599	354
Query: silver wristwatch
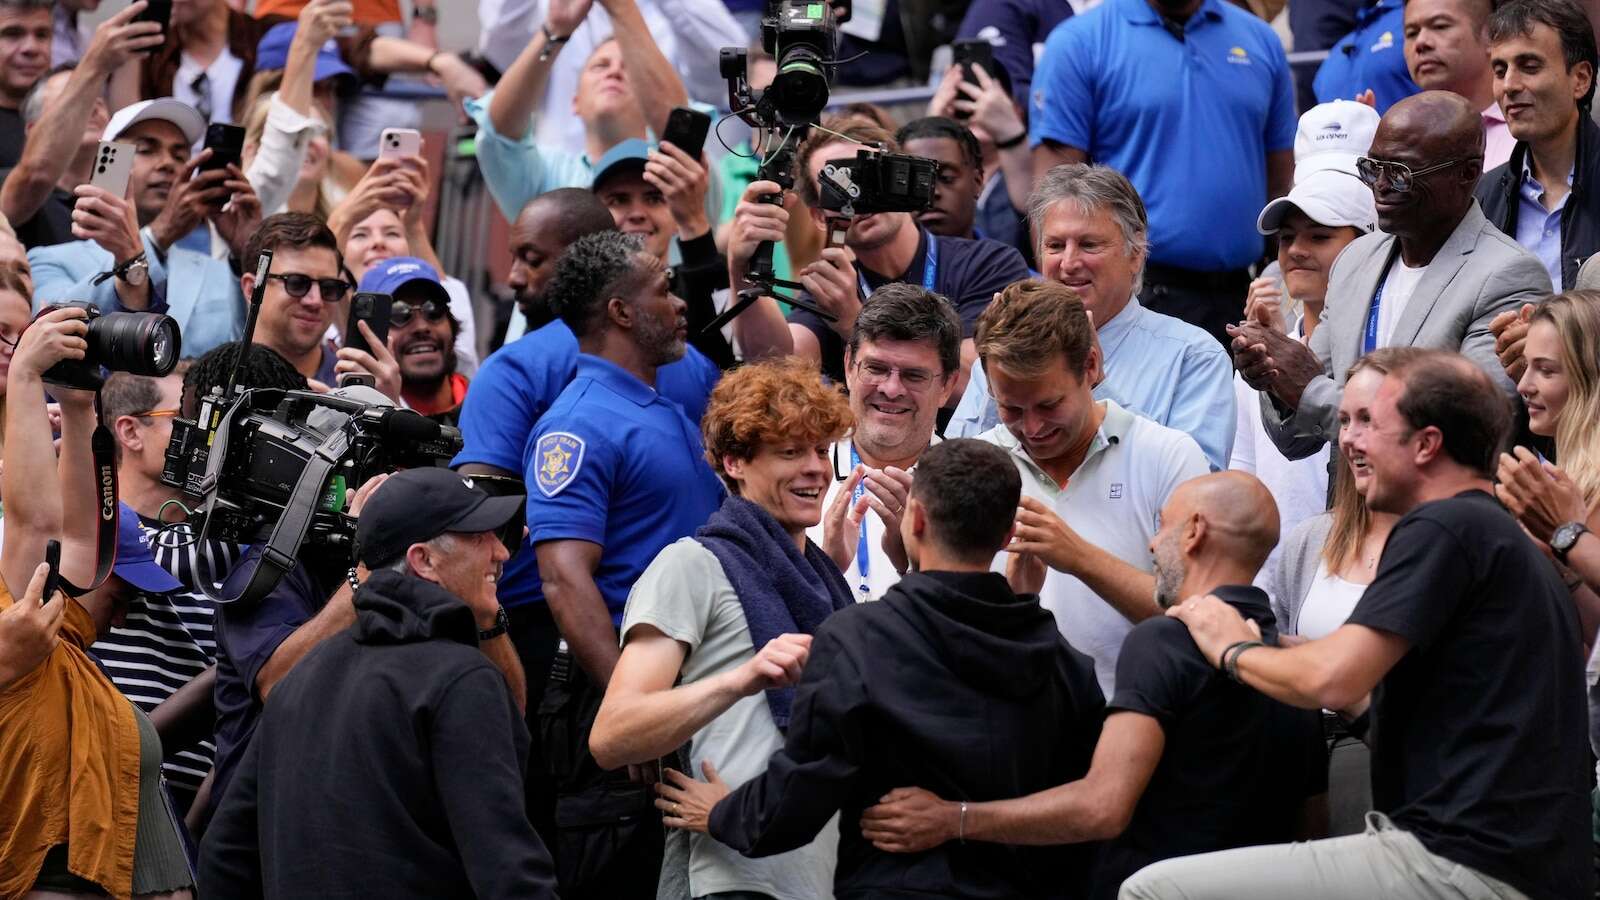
1565	537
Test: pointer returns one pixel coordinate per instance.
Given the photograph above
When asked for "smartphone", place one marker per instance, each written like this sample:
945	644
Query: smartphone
399	142
52	558
373	309
158	11
975	52
113	163
687	129
226	143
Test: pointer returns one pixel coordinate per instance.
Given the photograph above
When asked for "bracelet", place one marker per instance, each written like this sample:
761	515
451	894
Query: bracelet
355	583
428	66
1230	657
1008	144
961	824
1574	583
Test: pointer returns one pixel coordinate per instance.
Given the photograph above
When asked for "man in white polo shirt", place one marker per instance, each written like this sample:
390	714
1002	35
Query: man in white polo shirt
900	366
1094	475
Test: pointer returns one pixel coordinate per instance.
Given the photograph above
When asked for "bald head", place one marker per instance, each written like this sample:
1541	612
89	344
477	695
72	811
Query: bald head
1441	124
567	214
1225	520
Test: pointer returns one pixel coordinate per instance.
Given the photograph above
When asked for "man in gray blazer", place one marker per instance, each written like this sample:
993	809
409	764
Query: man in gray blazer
1434	275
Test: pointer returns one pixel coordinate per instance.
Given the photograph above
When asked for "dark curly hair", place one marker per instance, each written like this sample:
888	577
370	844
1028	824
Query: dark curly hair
941	127
593	269
263	368
769	402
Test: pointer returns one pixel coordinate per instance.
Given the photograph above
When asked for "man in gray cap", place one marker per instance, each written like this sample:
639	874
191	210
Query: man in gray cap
392	763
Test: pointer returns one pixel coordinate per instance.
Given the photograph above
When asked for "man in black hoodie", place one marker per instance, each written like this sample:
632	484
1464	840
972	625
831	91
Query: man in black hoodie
951	682
389	763
1189	761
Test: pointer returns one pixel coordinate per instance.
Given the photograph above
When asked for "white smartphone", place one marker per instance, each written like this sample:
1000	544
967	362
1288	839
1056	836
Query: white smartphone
113	163
399	142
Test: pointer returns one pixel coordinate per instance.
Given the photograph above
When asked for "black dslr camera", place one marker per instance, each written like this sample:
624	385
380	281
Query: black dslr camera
878	182
139	343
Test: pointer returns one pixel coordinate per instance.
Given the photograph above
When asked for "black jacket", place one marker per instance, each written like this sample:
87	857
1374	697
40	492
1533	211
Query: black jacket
388	764
949	683
702	273
1499	189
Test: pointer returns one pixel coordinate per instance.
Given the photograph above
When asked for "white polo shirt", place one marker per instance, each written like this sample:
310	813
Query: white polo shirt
880	574
1113	501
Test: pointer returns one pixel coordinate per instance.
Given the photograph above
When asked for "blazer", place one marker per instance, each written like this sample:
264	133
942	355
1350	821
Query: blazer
1500	192
201	292
1477	274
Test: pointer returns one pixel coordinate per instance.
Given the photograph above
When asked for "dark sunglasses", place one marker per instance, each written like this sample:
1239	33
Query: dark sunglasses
297	286
432	310
1401	177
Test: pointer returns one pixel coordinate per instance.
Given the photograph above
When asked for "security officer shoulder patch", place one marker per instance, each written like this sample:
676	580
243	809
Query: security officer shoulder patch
558	458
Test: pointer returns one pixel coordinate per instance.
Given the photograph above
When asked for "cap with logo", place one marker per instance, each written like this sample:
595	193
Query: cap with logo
625	158
272	52
162	109
390	275
136	564
1331	136
418	505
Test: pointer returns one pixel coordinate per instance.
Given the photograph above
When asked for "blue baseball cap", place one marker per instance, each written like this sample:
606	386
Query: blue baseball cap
628	156
273	53
136	564
396	272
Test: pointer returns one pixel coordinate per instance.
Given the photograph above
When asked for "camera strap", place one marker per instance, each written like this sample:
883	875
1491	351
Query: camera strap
102	446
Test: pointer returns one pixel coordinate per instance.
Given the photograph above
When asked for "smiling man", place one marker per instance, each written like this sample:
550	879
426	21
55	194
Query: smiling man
422	336
25	37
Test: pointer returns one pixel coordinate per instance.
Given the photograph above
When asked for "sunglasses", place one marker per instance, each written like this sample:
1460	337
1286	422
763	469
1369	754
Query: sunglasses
297	286
400	314
1399	175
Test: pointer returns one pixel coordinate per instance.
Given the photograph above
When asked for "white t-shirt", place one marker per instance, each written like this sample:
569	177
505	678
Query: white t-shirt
687	596
222	76
880	572
1113	501
1329	602
1398	287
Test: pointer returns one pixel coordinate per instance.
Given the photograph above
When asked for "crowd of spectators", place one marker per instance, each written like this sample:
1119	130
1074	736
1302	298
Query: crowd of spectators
1192	500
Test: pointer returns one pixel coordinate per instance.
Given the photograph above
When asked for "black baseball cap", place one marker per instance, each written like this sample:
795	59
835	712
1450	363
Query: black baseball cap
418	505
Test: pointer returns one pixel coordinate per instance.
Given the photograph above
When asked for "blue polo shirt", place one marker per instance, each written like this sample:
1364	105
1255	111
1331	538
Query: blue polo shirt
617	464
1189	122
1370	57
512	390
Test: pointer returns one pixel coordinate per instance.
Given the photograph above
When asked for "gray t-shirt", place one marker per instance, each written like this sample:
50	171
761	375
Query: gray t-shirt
686	596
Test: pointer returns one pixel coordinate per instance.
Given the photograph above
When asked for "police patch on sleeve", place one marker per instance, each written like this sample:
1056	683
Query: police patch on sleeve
558	457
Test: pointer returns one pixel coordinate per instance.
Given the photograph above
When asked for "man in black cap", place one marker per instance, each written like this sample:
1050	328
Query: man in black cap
392	763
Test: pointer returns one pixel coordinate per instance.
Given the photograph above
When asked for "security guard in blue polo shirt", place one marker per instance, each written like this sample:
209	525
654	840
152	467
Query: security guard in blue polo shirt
615	472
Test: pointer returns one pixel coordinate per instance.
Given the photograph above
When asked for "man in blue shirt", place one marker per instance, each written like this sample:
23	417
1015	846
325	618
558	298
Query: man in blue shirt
1092	234
615	472
1192	100
1370	58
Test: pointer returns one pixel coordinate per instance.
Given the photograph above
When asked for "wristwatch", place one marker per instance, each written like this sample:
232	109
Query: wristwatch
135	271
427	15
502	624
552	42
1565	537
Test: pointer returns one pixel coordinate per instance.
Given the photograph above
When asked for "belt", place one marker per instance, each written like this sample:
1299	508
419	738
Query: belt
1174	276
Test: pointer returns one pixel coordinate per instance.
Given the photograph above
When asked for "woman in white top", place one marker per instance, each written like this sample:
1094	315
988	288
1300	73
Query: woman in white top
1326	565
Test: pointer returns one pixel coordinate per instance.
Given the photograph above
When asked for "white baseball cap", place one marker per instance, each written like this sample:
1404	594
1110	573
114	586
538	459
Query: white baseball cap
1328	197
165	109
1331	136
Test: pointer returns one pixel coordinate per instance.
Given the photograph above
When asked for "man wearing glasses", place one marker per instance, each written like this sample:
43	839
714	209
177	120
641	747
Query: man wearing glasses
1434	274
422	336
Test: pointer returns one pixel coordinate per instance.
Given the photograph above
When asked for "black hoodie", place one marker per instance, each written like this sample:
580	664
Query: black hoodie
388	764
949	683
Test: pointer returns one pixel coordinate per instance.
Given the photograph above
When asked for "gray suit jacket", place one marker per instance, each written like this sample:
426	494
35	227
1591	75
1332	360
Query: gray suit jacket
1476	275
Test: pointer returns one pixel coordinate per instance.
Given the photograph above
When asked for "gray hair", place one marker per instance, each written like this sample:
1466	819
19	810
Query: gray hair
33	105
1091	188
444	543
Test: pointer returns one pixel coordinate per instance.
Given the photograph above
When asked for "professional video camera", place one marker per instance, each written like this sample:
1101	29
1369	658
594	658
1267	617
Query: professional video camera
276	467
140	343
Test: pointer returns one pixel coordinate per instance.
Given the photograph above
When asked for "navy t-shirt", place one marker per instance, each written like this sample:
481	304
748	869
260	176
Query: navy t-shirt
1480	732
969	274
1015	28
511	392
247	635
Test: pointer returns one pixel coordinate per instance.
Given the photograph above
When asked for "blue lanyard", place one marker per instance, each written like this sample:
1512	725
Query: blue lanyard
1370	343
930	269
863	560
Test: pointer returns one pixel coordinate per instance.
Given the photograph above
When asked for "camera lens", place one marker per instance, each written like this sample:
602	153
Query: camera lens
136	342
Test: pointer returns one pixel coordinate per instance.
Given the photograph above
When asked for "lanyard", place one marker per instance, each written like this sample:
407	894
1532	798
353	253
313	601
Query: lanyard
863	560
1370	342
930	268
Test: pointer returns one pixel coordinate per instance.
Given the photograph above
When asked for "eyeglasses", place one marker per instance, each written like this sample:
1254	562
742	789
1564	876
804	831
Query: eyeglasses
297	286
432	310
1399	175
876	373
157	414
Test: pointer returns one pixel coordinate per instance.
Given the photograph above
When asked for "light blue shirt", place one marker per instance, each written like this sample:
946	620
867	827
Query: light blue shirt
1158	366
1539	229
517	170
1189	122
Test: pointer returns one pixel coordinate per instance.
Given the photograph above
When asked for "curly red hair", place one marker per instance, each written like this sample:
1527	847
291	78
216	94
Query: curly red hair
767	402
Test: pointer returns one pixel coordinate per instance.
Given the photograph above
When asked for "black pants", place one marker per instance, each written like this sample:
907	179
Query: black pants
534	634
608	836
1209	300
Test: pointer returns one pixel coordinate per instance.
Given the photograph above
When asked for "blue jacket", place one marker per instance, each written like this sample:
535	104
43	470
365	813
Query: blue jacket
202	293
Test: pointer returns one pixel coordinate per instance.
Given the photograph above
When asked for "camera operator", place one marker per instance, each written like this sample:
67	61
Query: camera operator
879	249
131	240
416	786
80	766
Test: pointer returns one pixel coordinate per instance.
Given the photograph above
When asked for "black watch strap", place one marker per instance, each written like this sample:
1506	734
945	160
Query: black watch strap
1577	530
502	624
